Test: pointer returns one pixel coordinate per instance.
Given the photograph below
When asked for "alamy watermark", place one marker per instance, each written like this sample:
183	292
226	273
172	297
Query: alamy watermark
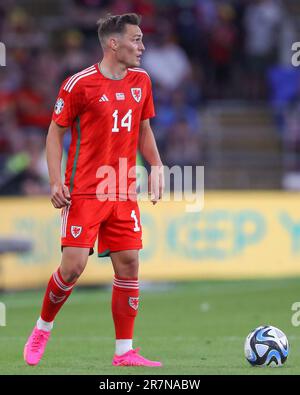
164	183
2	54
296	316
2	314
296	55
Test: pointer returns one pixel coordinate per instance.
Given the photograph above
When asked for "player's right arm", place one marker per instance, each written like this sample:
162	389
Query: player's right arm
60	195
68	105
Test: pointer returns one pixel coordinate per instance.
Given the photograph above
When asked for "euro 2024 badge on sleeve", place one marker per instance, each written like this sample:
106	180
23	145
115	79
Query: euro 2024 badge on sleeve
59	105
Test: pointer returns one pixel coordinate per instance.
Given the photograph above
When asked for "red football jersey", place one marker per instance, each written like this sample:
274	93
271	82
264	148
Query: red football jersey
104	116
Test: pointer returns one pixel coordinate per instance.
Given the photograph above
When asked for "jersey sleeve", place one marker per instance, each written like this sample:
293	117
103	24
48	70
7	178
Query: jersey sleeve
69	104
148	108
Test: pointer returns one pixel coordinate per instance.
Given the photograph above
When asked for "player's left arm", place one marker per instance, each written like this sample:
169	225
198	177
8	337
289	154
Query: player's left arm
149	151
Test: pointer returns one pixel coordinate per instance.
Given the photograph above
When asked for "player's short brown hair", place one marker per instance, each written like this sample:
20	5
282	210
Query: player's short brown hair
115	24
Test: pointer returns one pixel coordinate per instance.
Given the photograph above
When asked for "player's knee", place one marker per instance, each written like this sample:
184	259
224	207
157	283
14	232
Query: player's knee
133	264
71	271
76	271
73	264
129	267
72	274
126	264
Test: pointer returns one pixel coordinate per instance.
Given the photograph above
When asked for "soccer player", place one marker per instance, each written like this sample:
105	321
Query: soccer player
107	106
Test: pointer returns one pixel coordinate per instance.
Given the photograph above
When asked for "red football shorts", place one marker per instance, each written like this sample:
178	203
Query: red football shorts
117	225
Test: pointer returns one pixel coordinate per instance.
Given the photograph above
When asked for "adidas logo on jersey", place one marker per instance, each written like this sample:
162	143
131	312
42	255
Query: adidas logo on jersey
103	98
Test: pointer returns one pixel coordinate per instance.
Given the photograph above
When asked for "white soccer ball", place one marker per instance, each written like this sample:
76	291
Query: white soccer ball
266	346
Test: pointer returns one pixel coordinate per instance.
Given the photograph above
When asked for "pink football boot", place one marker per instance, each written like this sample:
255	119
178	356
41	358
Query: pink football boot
132	358
35	346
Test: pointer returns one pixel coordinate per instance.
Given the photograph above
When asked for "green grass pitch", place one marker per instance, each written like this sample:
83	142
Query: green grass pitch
193	328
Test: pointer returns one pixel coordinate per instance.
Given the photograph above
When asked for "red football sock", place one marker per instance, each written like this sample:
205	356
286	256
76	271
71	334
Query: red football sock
56	295
125	302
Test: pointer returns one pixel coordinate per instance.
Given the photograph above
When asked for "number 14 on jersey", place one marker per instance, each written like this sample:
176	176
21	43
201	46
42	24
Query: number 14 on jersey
126	121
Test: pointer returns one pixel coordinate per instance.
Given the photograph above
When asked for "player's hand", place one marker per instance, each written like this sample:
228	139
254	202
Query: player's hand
156	183
60	195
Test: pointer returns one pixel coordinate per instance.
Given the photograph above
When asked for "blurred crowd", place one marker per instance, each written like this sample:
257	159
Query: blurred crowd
196	51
